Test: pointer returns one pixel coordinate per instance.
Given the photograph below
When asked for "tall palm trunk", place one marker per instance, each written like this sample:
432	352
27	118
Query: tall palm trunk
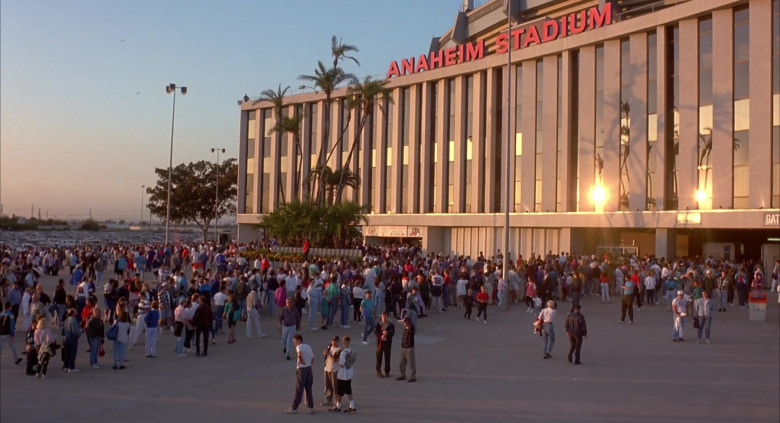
361	126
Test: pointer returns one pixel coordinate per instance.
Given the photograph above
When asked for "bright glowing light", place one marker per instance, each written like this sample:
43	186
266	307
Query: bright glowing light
598	195
701	195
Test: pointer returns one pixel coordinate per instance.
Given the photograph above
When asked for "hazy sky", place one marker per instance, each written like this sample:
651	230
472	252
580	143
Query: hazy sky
84	117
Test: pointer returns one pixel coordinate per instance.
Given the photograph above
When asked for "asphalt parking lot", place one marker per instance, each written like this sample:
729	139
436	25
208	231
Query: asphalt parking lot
466	371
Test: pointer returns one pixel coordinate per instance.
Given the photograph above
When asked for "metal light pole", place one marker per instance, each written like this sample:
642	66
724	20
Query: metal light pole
171	88
509	135
216	202
141	222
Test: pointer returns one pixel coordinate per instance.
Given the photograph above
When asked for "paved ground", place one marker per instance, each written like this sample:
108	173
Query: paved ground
467	372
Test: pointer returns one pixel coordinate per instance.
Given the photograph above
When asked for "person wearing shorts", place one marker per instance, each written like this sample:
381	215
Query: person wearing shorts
344	379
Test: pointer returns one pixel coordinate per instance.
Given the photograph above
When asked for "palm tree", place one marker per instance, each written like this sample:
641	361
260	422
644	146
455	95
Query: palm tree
339	51
326	80
277	99
362	97
292	125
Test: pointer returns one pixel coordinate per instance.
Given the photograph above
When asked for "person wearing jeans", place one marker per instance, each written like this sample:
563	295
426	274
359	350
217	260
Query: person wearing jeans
678	312
703	310
95	333
367	310
290	321
548	330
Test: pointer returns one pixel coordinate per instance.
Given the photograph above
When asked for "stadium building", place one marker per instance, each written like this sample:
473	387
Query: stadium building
649	125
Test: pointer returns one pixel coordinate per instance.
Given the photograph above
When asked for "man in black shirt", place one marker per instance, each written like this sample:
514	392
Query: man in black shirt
577	330
407	352
384	331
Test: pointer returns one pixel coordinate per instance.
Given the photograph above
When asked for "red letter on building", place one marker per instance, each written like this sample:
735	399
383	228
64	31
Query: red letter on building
573	18
550	31
393	70
436	61
596	19
422	64
531	37
502	43
475	50
516	38
407	66
450	56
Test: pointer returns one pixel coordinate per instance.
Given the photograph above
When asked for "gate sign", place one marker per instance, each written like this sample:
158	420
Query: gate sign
772	219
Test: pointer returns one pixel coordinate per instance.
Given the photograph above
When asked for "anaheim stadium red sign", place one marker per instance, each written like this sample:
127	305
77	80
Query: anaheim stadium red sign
573	23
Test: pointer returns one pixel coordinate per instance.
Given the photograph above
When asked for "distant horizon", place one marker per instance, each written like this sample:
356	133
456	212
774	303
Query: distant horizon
86	119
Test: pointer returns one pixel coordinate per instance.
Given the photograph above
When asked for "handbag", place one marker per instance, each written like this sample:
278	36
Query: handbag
696	323
112	332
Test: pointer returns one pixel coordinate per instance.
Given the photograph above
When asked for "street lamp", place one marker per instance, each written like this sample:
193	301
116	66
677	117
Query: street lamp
216	202
171	88
141	222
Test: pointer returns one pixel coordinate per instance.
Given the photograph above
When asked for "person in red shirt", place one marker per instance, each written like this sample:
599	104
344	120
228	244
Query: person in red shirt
306	247
482	301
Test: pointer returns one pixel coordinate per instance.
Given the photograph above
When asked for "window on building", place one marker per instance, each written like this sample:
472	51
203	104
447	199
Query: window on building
741	108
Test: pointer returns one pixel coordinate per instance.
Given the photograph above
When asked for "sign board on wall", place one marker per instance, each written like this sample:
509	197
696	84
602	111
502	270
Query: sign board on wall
387	231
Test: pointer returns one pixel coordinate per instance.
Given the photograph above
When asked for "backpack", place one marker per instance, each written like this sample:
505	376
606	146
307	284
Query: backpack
5	326
350	359
112	332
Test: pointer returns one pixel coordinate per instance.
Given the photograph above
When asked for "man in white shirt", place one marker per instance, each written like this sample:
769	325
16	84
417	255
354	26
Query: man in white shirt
304	377
344	378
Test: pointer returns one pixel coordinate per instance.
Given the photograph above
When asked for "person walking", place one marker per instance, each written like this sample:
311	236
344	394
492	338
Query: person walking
482	303
202	320
384	331
547	316
407	352
95	331
7	327
290	322
253	315
577	330
122	338
304	379
678	312
703	310
152	320
626	304
367	310
331	354
344	378
71	330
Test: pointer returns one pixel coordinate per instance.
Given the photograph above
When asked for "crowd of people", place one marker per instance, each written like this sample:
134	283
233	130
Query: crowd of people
149	292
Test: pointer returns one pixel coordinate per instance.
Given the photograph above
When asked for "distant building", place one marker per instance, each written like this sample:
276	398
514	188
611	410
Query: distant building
633	122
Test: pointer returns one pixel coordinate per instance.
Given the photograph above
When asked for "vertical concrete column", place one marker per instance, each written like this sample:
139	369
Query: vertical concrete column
442	100
662	100
665	243
568	173
459	193
492	120
528	124
426	147
587	127
394	202
365	156
306	146
274	180
242	162
722	156
413	187
550	134
478	186
687	174
637	162
292	167
760	154
381	160
611	110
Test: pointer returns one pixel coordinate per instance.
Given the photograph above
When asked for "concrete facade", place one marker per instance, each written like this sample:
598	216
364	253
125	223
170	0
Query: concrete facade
665	106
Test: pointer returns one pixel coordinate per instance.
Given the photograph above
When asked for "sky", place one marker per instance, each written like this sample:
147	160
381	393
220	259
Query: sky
84	117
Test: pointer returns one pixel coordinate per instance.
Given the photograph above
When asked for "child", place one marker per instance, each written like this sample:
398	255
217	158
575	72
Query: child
468	302
530	294
482	302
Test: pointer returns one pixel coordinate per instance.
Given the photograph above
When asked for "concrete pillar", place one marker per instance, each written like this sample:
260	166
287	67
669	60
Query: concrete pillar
722	156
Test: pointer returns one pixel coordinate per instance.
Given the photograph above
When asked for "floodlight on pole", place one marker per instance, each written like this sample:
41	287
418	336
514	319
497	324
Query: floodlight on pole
171	88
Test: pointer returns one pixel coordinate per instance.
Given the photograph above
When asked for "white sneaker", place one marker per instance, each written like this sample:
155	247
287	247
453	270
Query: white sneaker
477	319
365	342
74	371
485	321
95	366
181	355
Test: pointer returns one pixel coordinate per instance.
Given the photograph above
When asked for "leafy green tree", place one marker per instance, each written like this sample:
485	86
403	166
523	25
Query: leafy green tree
193	193
326	226
277	99
90	225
